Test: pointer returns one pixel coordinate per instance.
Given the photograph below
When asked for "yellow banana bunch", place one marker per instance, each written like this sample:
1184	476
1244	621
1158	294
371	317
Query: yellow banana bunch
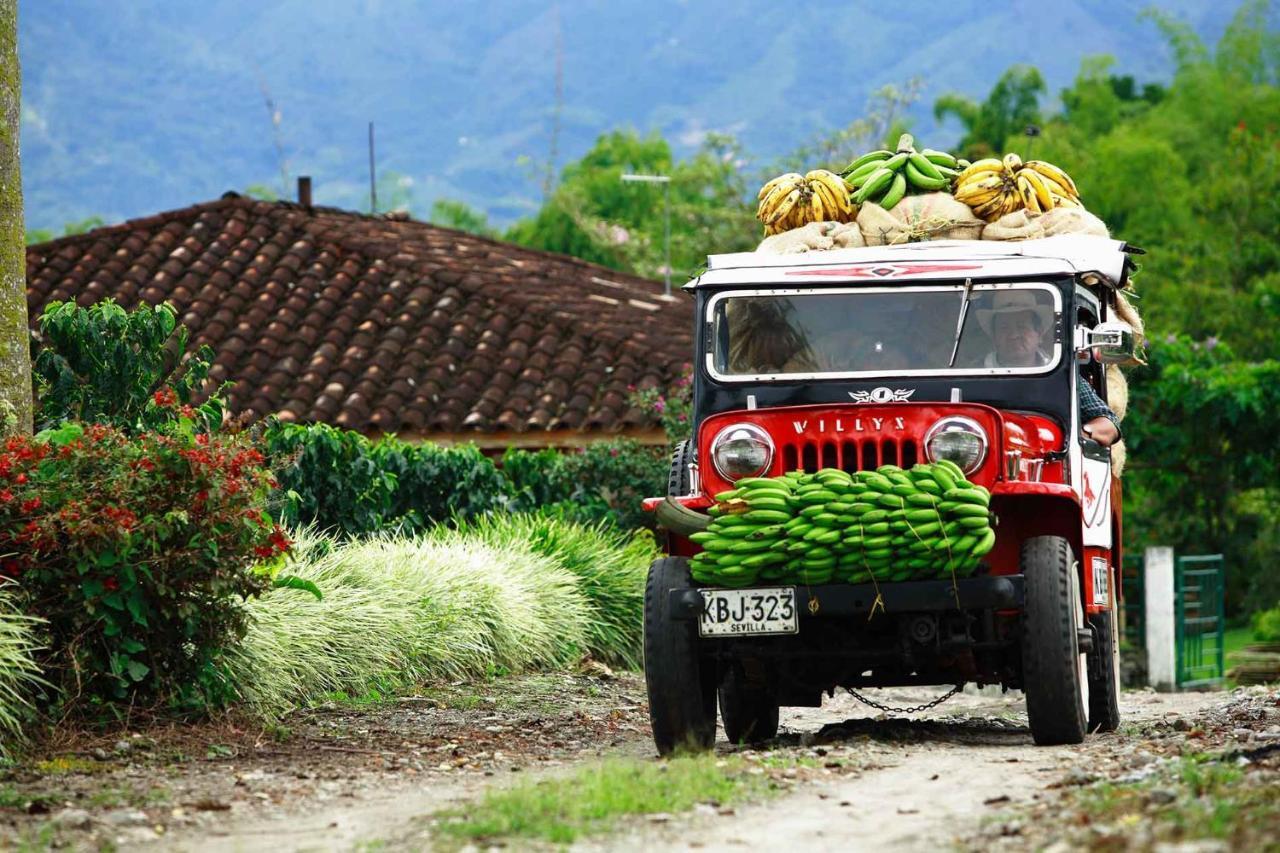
990	188
994	187
1061	189
791	200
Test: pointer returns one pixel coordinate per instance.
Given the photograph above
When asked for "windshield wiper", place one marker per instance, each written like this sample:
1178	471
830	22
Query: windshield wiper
964	313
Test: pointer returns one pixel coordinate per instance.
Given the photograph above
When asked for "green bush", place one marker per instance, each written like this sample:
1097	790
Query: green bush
610	566
1266	625
345	483
138	552
602	482
612	478
104	365
398	610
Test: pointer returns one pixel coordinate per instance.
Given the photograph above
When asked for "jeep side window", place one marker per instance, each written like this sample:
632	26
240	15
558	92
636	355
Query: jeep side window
1091	372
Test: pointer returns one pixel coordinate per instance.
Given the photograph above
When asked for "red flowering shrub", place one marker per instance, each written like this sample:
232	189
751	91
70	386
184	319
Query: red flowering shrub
139	551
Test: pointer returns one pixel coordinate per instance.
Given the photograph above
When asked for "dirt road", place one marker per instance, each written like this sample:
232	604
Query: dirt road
341	777
925	781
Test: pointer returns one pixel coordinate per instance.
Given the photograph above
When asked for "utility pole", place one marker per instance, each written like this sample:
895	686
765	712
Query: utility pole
373	182
549	179
665	180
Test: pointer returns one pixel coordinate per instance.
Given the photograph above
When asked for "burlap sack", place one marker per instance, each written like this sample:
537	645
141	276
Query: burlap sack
932	216
937	216
1118	455
1019	225
1071	220
847	235
816	236
1125	311
879	228
1118	400
1117	390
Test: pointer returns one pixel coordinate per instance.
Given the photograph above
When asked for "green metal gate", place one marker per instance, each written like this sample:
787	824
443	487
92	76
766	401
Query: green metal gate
1198	612
1134	633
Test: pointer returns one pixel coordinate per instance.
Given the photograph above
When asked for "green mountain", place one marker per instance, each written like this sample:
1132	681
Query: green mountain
134	107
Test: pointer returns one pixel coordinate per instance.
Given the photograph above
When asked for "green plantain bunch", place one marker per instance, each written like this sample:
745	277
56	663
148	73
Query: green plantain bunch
889	524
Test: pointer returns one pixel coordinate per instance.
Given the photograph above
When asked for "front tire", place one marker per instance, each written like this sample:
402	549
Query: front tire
682	686
1054	671
1104	671
749	713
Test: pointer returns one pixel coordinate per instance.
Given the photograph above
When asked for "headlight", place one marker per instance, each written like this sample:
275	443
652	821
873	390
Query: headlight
961	440
742	450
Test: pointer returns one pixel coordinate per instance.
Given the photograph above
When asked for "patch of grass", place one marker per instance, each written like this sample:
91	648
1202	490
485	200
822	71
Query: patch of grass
383	691
783	761
1192	798
1234	640
594	799
63	764
40	839
15	798
115	797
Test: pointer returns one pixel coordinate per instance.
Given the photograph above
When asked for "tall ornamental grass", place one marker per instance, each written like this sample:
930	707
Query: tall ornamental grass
610	566
19	674
398	610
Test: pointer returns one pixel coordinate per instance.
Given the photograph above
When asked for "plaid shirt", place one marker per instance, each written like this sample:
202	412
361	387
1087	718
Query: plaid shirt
1091	405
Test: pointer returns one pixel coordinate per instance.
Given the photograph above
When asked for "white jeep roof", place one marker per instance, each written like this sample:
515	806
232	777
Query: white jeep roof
959	259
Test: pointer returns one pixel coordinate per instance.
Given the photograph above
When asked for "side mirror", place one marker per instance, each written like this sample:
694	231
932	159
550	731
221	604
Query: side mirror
1113	343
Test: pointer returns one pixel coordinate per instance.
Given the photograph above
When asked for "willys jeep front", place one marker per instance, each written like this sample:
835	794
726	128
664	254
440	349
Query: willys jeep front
895	356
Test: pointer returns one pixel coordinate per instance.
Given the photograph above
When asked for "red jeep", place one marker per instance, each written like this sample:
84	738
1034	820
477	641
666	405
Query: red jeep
857	358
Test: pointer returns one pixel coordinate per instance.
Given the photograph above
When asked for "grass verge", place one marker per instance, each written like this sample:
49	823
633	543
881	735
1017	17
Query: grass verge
397	611
1193	798
594	799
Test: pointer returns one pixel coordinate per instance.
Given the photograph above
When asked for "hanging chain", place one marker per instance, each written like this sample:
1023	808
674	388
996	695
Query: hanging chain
925	707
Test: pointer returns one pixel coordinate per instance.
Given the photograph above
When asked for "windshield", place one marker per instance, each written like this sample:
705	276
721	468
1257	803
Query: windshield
1007	329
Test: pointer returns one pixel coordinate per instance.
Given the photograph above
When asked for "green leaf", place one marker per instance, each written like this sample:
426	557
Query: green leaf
138	606
137	670
61	436
295	582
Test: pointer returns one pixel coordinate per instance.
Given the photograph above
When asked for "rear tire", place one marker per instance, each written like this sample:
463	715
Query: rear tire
678	476
682	685
1104	671
749	714
1054	672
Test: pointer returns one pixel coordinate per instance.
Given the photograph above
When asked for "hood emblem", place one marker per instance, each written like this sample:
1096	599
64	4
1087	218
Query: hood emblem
882	395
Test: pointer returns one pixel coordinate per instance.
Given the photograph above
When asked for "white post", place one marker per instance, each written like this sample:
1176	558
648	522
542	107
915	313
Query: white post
1162	658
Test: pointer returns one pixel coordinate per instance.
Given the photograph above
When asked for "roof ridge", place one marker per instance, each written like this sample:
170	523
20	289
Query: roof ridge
231	198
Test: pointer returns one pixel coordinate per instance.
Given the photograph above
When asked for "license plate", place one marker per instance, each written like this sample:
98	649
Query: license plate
748	612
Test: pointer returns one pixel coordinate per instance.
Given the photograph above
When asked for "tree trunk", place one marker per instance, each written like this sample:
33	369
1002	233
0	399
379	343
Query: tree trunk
15	347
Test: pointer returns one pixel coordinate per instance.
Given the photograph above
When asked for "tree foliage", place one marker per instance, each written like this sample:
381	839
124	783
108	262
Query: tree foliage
1012	105
1191	172
594	215
458	214
105	365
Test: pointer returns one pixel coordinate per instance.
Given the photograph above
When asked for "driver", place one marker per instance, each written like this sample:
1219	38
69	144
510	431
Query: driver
1016	323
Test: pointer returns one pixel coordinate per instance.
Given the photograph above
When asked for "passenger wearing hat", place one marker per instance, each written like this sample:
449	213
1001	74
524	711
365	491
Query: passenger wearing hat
1015	322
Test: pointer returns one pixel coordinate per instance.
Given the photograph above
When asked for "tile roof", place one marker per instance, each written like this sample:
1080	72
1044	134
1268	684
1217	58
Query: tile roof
380	323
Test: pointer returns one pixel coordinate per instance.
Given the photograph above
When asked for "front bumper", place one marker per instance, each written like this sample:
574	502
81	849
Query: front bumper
999	592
